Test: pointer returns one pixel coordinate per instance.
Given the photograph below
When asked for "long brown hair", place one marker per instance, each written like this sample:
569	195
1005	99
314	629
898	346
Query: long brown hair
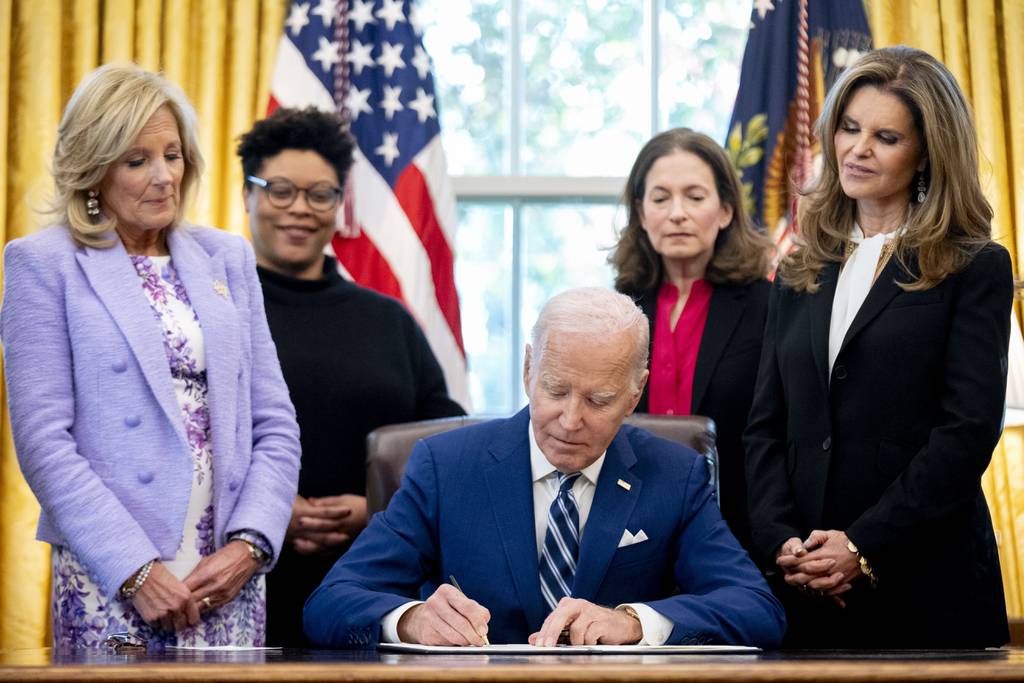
742	254
944	232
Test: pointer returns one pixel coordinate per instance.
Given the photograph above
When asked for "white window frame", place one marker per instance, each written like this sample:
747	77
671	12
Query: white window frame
515	189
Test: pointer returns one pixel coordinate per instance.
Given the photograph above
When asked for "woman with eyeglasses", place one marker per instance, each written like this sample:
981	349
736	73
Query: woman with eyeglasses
353	359
147	405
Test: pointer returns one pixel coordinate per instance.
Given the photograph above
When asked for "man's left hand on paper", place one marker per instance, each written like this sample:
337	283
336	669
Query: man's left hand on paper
587	624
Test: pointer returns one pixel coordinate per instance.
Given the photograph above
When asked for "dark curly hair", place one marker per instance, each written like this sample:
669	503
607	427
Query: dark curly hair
742	253
308	129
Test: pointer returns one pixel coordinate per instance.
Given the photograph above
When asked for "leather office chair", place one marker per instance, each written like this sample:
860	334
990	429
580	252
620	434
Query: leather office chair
388	448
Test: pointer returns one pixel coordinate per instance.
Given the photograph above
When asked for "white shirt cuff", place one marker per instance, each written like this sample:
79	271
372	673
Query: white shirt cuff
655	626
389	623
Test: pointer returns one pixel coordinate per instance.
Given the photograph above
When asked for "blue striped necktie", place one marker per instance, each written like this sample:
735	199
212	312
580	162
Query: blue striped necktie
561	543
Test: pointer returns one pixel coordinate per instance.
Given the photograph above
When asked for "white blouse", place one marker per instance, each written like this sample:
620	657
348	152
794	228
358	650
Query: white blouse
855	280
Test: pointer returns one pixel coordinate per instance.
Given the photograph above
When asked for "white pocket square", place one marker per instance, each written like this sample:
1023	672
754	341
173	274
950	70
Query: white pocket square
632	539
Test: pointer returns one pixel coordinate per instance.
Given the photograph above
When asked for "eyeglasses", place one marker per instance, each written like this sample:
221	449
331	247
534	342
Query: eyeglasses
283	193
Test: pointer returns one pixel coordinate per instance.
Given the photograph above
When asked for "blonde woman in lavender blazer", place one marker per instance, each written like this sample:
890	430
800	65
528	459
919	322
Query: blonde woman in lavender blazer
149	413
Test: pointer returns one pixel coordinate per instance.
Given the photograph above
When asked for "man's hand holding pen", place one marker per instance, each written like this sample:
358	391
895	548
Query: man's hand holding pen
447	617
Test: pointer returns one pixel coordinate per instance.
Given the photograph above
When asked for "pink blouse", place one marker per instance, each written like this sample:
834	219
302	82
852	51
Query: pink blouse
674	357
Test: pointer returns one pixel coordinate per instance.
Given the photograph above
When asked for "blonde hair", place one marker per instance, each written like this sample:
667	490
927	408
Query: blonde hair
946	231
742	254
101	122
597	314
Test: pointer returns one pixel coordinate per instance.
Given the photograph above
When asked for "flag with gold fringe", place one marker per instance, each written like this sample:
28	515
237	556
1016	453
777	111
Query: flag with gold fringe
795	50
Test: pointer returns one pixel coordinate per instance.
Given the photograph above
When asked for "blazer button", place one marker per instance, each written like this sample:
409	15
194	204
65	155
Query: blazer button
840	372
827	443
119	366
145	477
233	485
132	421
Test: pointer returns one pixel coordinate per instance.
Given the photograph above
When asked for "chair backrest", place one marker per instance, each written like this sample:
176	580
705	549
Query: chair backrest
388	448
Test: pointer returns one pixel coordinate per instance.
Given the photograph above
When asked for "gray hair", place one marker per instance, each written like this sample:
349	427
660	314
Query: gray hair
101	122
594	313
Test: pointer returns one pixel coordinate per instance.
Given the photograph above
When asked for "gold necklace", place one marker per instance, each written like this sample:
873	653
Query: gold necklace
887	251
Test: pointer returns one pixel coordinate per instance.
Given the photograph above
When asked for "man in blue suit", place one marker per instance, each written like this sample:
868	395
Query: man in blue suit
559	518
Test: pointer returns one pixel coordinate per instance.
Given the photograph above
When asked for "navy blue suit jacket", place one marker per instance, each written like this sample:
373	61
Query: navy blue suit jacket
465	508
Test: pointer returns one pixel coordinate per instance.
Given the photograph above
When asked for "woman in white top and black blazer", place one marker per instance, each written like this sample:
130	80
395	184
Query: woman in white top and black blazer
881	385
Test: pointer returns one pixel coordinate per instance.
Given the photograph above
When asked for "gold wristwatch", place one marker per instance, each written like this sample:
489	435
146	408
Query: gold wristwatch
865	568
255	552
632	612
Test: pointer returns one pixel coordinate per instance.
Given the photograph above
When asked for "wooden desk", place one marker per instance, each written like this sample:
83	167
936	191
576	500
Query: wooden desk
307	666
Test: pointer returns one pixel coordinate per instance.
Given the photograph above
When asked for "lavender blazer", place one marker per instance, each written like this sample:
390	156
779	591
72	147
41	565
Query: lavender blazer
97	427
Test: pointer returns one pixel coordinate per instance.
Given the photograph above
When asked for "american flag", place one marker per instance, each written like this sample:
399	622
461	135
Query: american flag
365	58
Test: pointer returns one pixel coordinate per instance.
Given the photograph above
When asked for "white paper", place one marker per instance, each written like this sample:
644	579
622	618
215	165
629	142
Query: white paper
526	649
220	648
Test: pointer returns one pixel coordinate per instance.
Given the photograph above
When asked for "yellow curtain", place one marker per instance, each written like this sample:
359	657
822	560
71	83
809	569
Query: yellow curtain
221	53
981	42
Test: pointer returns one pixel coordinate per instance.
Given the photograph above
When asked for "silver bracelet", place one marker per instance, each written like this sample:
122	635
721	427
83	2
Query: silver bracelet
128	591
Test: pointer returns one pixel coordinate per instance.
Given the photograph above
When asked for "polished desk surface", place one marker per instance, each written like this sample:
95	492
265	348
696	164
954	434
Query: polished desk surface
336	665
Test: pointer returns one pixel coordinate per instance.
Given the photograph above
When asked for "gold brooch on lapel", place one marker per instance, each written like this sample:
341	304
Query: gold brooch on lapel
624	484
220	288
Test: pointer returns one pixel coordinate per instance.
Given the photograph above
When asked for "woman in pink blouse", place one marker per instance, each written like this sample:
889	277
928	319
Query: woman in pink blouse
696	266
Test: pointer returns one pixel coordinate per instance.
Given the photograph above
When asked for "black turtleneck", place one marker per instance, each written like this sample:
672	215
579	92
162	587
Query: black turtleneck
353	360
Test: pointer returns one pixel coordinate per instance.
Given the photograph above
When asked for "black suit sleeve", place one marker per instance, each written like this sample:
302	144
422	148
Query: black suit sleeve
941	480
773	514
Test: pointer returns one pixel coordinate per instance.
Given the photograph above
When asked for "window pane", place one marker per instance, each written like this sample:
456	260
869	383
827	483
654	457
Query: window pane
701	50
483	276
468	43
586	87
565	245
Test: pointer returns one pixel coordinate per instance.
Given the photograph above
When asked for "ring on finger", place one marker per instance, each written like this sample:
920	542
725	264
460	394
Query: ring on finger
206	601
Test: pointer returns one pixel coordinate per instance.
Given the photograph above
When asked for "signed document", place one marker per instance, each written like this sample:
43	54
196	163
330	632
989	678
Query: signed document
526	649
221	648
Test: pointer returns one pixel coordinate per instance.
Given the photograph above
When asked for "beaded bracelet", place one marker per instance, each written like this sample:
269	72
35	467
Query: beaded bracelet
134	583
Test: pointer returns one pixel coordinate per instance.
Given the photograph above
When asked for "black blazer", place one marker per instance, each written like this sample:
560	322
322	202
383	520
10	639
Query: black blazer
891	451
723	382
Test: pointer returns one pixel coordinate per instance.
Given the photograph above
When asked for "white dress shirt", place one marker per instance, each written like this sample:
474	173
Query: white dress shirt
656	628
855	280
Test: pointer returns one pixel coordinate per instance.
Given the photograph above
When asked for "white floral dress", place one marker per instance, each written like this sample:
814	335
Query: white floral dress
83	615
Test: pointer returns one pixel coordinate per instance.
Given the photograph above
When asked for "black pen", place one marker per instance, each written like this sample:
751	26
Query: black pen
452	581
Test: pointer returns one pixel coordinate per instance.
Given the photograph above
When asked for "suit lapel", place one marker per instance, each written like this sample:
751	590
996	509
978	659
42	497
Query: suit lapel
206	283
724	313
612	506
510	485
113	278
821	318
879	296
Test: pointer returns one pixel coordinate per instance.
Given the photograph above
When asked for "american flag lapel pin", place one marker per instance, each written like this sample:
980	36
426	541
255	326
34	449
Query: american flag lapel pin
220	288
624	484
